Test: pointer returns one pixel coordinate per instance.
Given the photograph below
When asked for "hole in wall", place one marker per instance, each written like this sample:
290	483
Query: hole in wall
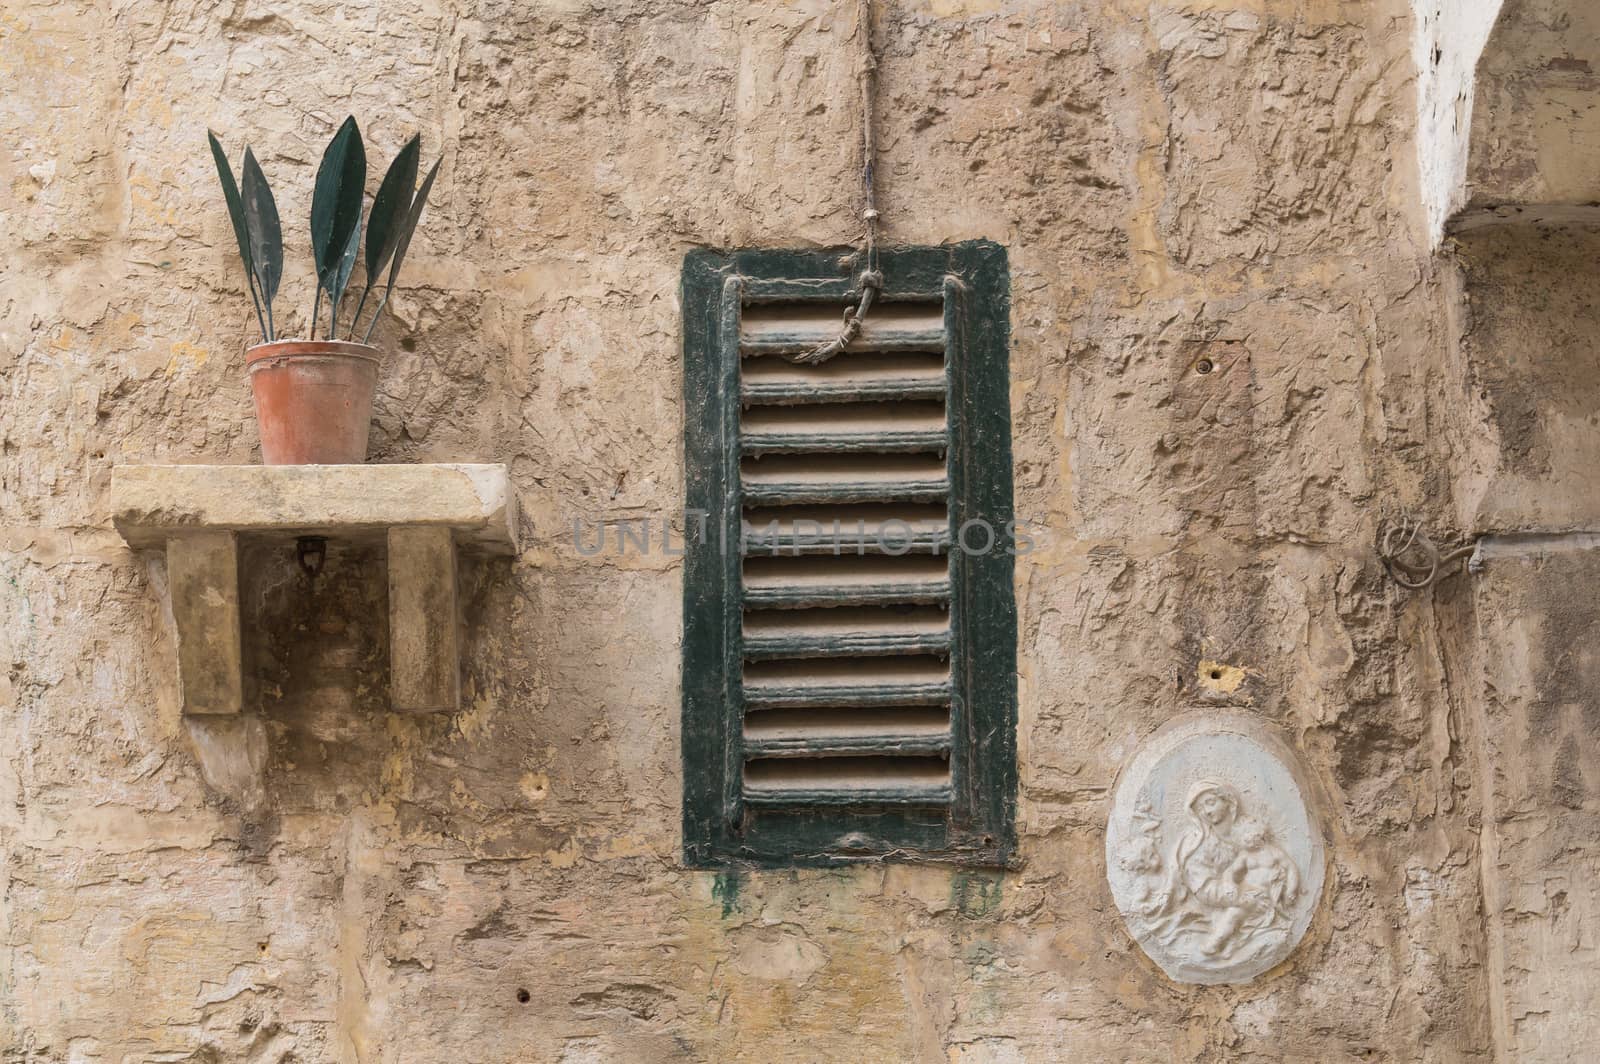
523	997
1220	678
1204	366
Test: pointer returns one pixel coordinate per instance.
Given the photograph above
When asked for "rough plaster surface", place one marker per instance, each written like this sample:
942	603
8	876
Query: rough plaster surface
1228	179
1518	641
1532	680
1523	307
1536	120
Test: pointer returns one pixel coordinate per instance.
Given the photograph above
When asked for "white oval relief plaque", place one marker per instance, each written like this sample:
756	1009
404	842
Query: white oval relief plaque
1214	859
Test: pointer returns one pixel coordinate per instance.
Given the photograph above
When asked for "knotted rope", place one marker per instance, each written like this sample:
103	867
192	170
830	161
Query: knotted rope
871	276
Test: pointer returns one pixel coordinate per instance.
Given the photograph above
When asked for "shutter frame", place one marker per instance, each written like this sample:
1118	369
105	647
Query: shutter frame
977	826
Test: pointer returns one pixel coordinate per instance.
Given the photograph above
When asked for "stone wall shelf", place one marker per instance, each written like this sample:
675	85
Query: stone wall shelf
196	513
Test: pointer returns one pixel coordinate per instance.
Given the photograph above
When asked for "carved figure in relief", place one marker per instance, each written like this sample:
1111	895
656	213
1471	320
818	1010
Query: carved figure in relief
1228	887
1142	857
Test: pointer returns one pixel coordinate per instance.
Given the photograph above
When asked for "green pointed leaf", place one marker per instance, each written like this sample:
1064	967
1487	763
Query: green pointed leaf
230	192
409	226
261	223
389	208
347	263
336	204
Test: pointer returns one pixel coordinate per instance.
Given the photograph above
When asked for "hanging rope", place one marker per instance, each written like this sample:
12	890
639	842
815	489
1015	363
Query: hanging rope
1415	563
871	276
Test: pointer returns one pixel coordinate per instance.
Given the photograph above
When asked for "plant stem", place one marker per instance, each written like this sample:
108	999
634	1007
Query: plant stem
355	320
316	307
256	299
373	324
272	325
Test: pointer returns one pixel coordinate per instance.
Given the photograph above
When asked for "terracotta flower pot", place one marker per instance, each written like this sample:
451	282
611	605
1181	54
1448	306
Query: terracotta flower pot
313	400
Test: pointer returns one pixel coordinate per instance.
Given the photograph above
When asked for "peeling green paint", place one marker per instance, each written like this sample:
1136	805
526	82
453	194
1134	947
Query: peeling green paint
975	895
725	887
22	604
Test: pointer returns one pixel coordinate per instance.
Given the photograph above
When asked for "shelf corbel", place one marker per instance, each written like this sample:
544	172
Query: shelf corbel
197	514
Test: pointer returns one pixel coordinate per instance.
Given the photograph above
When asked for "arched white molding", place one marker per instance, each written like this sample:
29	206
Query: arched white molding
1508	112
1448	38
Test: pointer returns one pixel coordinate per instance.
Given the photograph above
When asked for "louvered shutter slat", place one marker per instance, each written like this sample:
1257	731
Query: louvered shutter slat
804	596
862	454
851	644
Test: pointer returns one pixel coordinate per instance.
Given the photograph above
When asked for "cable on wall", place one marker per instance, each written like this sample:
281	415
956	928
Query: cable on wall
1410	556
871	276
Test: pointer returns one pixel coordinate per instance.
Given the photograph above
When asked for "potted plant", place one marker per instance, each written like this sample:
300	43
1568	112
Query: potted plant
313	396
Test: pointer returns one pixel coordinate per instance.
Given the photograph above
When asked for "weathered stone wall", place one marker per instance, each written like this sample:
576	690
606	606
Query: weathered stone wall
1520	634
1230	179
1535	131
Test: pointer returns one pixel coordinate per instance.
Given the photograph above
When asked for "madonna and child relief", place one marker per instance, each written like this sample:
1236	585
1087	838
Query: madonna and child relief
1213	858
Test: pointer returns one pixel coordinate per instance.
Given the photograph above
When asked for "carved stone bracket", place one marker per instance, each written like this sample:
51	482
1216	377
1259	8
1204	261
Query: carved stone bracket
197	514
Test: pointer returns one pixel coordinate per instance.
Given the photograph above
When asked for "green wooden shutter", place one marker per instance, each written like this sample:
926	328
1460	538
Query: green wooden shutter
848	695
